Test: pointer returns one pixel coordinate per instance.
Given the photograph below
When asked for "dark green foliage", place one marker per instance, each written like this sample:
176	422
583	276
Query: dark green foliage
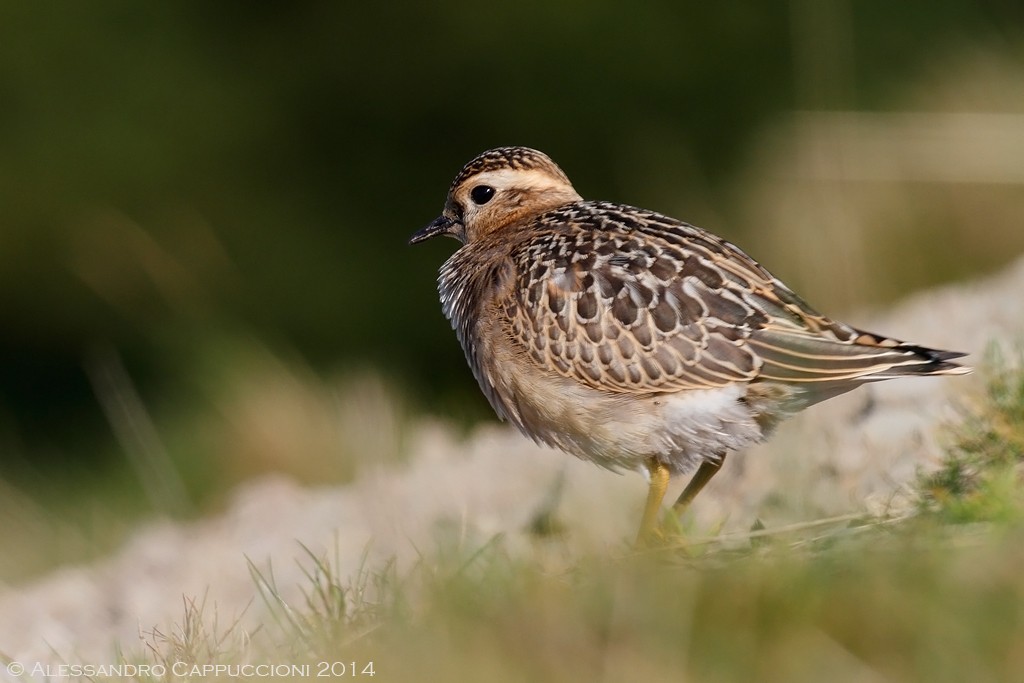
173	168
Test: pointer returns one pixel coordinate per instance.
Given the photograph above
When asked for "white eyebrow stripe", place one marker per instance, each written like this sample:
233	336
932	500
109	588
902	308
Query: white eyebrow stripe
518	178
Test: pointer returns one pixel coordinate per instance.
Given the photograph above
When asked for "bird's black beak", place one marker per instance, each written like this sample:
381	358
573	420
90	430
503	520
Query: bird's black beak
442	225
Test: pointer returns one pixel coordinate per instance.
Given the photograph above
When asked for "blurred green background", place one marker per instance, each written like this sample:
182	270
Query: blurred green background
195	193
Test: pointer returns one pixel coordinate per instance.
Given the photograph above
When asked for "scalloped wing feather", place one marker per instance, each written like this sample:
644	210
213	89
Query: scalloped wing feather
630	301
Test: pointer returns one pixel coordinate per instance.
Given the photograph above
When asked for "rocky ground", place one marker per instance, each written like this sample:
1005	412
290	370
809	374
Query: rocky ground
854	453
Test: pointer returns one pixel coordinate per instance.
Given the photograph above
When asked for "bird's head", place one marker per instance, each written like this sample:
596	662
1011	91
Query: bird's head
498	188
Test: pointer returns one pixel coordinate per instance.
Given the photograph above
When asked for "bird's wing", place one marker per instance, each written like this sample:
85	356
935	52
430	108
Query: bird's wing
629	301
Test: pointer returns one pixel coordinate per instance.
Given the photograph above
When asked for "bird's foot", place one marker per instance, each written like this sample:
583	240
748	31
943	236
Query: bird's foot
668	533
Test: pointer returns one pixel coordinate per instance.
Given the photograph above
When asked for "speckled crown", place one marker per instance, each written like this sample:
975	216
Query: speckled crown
516	158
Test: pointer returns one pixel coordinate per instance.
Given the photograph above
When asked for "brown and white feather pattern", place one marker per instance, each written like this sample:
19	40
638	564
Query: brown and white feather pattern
624	336
627	300
465	282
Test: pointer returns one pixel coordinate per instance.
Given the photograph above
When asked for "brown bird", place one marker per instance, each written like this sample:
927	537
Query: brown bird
632	339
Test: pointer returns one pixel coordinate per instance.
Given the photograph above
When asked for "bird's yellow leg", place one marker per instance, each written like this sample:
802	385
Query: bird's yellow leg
707	469
655	494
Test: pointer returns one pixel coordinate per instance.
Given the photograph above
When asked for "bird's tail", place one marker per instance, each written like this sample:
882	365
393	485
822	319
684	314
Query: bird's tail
790	356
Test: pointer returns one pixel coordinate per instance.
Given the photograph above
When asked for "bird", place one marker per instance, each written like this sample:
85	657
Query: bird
632	339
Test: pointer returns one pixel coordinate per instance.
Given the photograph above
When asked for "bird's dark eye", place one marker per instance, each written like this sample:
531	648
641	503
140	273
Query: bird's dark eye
481	194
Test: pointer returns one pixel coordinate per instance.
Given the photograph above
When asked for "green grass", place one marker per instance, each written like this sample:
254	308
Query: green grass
980	478
918	600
